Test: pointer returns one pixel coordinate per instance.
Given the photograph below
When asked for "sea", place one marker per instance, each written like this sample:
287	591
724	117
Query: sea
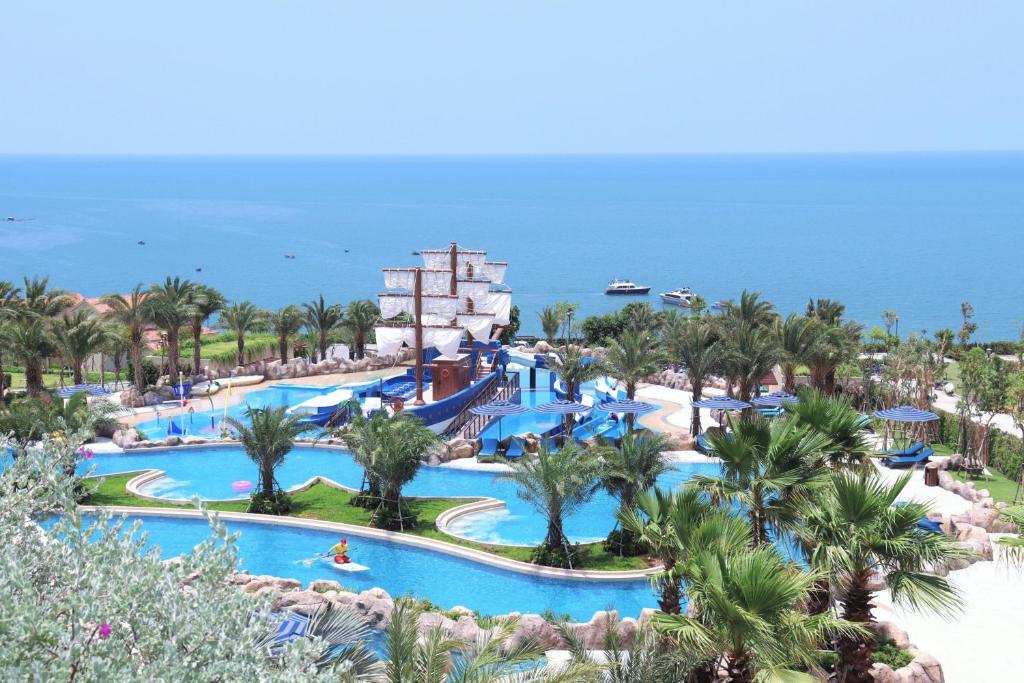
914	233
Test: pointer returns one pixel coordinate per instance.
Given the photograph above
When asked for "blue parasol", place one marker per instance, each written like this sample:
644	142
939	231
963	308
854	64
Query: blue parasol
906	414
626	406
721	403
775	399
499	409
91	389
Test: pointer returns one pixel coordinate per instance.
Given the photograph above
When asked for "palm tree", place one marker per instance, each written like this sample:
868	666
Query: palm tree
853	529
322	319
573	368
78	336
242	318
676	525
391	450
750	353
747	615
8	299
285	323
205	301
556	485
631	358
550	321
626	471
751	310
765	465
170	305
118	346
30	330
849	446
832	345
267	438
793	337
694	343
132	312
360	317
698	305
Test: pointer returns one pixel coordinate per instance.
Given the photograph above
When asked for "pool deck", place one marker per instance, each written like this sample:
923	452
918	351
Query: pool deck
674	412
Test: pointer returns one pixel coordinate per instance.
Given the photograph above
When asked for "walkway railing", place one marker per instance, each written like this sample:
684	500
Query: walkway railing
466	425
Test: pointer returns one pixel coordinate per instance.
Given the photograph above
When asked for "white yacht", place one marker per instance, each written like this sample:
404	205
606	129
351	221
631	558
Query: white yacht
678	297
625	287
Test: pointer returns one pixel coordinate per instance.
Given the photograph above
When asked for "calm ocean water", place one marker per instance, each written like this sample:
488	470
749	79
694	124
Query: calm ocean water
914	233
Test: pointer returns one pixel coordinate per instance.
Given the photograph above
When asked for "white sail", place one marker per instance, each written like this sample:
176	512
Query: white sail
390	339
398	278
494	271
477	324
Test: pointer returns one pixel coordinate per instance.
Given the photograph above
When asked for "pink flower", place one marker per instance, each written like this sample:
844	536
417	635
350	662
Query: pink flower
105	630
88	455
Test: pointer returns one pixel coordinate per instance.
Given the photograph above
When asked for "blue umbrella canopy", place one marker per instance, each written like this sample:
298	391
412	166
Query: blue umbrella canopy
906	414
625	405
775	399
721	403
562	407
499	408
91	389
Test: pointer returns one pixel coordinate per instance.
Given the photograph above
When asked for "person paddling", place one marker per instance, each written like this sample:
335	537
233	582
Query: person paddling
340	552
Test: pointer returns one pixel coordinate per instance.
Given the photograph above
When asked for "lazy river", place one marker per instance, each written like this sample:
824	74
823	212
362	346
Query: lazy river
400	569
208	472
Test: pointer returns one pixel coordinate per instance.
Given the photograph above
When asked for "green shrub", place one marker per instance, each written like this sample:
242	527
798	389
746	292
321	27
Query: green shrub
276	503
886	652
624	543
150	372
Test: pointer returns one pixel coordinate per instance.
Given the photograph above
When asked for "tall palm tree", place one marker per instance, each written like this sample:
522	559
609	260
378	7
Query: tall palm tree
573	368
170	305
360	317
698	305
556	485
765	465
631	358
132	312
118	345
79	336
242	318
268	435
30	332
391	450
676	525
646	658
205	302
751	310
849	446
550	321
695	344
832	345
628	470
322	318
853	529
793	338
747	613
8	298
285	324
750	353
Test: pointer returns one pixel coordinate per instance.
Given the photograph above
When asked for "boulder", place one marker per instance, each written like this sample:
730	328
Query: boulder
883	674
324	585
125	438
132	398
151	398
888	629
533	627
303	601
461	448
983	517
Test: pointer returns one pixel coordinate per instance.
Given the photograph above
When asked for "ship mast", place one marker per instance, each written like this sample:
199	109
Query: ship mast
418	293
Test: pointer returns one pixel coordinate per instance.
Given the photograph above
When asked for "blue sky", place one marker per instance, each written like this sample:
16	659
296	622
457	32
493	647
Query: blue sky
523	76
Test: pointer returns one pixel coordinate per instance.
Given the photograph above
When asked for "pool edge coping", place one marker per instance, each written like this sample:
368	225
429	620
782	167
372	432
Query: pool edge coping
462	552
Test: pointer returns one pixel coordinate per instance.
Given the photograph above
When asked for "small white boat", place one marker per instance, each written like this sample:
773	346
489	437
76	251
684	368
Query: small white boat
626	287
347	566
682	296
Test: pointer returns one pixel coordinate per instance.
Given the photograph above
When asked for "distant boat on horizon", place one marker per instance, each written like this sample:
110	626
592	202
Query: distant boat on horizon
626	287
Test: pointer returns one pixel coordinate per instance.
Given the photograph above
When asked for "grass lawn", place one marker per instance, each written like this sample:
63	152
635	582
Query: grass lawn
333	505
1002	488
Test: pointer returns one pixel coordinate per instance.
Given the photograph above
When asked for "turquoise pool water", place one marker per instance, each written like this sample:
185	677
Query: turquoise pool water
399	569
206	422
208	473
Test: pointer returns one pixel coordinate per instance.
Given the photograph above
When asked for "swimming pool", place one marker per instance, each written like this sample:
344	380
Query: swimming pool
209	471
209	422
399	569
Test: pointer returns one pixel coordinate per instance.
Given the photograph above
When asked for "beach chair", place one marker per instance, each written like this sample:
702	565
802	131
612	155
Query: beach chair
488	448
702	443
515	449
908	460
924	523
902	452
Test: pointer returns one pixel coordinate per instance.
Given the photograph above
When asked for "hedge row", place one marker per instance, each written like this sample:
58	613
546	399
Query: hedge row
1006	451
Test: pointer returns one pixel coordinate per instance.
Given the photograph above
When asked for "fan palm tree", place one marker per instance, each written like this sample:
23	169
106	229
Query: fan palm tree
242	318
556	485
131	312
573	368
322	318
676	525
205	302
267	438
170	305
550	321
626	471
793	338
78	336
849	446
695	344
360	317
8	299
285	323
391	450
631	358
747	614
765	465
30	330
853	528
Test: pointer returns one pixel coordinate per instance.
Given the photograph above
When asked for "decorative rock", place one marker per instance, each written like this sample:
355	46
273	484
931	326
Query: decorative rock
302	601
152	398
125	437
890	630
324	585
131	398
